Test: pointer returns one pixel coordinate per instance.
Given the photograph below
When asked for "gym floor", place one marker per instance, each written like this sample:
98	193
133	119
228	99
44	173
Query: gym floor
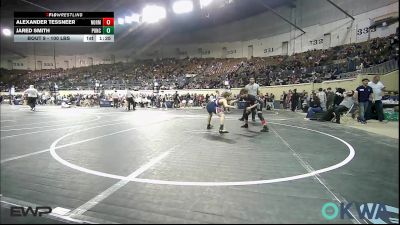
104	165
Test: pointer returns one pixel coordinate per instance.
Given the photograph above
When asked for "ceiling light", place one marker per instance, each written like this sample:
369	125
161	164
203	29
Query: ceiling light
6	32
182	6
121	21
205	3
153	14
135	17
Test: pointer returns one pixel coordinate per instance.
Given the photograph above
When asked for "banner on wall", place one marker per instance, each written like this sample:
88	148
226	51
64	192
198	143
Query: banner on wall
318	41
363	29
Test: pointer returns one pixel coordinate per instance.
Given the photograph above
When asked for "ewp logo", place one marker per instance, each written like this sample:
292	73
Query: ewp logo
21	211
374	212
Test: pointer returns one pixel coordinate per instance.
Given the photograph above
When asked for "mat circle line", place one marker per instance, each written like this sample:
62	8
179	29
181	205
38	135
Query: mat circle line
209	184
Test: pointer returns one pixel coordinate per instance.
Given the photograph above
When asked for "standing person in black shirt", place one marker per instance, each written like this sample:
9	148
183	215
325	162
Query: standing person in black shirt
330	96
295	100
164	102
364	95
339	96
284	96
153	99
207	97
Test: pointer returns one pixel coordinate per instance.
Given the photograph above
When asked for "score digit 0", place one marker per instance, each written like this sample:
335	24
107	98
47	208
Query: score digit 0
108	30
108	21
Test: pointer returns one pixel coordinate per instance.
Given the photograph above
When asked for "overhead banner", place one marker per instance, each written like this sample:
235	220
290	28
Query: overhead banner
362	29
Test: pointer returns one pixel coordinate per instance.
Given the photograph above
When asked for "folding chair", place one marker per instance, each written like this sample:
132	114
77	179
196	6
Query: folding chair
347	118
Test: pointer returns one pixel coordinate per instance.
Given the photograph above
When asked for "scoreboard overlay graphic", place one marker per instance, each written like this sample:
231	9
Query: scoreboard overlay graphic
63	26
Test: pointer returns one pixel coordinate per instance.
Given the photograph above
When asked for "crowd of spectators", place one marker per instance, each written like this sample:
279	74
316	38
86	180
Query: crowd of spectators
330	104
153	100
194	73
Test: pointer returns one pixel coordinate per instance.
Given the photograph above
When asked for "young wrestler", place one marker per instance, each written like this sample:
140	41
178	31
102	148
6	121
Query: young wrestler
217	106
254	104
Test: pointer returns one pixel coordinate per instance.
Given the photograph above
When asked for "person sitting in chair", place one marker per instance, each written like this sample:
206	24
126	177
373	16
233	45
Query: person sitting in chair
315	106
345	105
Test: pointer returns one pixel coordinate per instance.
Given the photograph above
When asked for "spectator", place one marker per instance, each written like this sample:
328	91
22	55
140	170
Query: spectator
315	106
12	94
289	99
305	67
304	102
378	88
322	97
338	96
330	97
283	100
295	100
269	102
345	105
364	95
176	100
272	99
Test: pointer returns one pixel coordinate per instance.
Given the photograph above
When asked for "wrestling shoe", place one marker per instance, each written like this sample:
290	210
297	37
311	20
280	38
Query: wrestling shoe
245	126
265	129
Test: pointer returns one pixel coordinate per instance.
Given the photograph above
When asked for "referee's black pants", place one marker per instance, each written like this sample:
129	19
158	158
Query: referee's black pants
131	102
32	102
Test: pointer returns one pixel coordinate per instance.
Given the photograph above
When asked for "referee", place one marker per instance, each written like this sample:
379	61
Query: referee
253	89
129	99
115	97
32	96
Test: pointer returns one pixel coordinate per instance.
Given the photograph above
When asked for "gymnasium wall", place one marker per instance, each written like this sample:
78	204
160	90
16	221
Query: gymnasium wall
65	62
266	32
